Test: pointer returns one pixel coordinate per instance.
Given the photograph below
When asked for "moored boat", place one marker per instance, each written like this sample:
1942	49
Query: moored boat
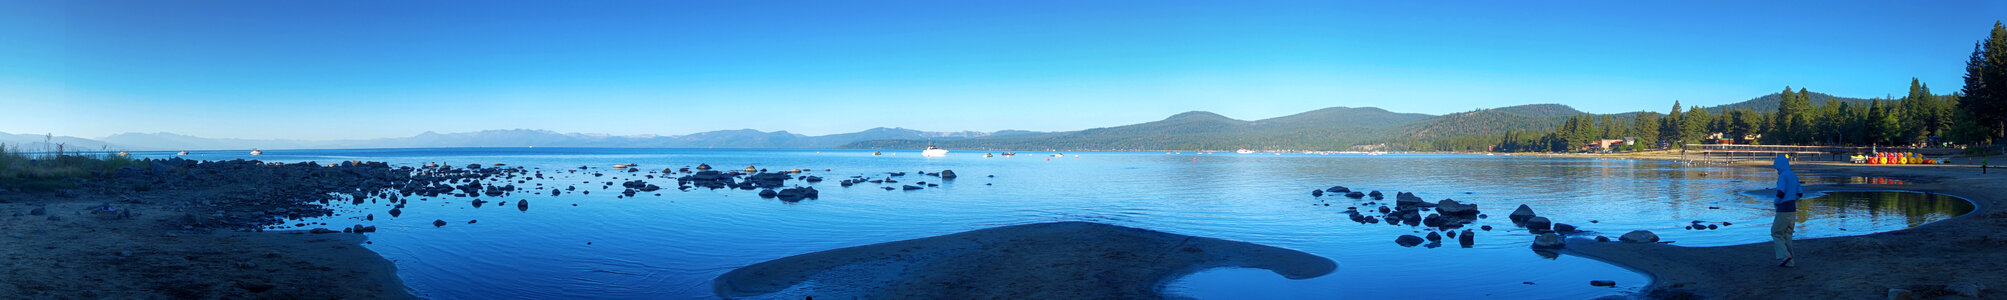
256	152
934	151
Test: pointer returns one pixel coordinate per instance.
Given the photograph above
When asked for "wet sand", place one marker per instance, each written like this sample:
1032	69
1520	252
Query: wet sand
1063	260
89	254
1932	260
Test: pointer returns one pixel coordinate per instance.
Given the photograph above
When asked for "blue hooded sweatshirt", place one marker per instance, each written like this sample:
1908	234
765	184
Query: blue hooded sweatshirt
1788	190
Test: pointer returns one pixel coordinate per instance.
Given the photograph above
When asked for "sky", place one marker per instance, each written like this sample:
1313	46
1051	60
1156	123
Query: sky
322	70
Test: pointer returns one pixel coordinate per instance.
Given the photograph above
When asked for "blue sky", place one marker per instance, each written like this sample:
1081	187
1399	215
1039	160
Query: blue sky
367	69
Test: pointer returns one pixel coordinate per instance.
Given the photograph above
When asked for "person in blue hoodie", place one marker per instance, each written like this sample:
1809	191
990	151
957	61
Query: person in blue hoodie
1788	192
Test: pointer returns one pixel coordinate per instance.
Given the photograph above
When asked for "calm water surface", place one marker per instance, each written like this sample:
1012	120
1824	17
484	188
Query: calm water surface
671	246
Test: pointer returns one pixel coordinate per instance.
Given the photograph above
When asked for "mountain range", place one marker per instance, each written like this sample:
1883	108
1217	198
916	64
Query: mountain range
1335	128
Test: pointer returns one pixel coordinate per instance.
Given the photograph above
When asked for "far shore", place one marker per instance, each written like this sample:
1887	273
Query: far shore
1943	258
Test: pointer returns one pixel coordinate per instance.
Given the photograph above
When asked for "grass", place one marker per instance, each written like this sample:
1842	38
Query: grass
54	168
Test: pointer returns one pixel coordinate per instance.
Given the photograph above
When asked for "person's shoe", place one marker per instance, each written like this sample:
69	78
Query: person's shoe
1786	263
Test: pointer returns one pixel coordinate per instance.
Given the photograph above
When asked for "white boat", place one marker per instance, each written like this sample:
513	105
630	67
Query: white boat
182	153
1243	151
256	152
934	152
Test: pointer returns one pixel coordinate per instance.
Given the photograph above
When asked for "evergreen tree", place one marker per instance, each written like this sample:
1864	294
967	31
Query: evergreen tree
1694	125
1739	124
1672	130
1611	129
1646	129
1983	104
1883	126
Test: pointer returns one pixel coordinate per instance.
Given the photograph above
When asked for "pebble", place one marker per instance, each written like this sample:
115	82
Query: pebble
1602	283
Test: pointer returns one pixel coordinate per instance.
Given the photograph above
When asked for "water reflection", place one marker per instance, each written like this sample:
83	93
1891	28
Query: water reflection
1853	213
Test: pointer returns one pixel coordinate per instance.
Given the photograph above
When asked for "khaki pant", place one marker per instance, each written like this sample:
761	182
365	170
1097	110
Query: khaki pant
1780	234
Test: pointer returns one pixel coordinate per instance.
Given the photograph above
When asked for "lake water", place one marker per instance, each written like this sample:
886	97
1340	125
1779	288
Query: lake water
670	246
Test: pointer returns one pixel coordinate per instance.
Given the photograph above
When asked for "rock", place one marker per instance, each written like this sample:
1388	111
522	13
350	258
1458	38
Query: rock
1453	208
321	230
1355	195
1467	238
1408	240
438	223
38	211
472	221
1639	236
909	187
1968	289
1521	214
1316	193
1338	189
768	193
1900	294
1548	241
1433	220
1376	195
1604	283
947	174
255	287
1486	227
1604	239
394	212
1539	225
1434	237
1564	228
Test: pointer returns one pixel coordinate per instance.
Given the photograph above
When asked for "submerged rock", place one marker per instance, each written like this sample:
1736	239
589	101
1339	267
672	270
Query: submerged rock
1548	241
1467	238
1639	236
1408	240
1539	225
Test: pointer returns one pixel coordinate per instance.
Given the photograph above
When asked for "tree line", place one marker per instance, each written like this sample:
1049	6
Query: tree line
1976	114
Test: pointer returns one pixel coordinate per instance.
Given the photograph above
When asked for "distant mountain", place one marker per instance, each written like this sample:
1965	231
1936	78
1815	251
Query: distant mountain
50	143
1330	128
1496	121
741	138
170	141
1769	103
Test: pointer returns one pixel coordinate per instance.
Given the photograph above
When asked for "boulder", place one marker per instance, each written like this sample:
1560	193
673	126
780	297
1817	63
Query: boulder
1453	208
1564	228
1355	195
1539	225
1338	189
1432	236
909	187
1968	289
1548	241
1639	236
1604	239
1433	220
1521	214
523	205
1605	283
1316	193
768	193
438	223
1376	195
947	174
1466	239
1408	240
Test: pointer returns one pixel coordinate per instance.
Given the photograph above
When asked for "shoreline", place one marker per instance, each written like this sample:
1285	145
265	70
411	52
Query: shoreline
1934	259
144	253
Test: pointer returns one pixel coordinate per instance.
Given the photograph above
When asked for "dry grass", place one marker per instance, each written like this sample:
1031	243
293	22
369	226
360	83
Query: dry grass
54	168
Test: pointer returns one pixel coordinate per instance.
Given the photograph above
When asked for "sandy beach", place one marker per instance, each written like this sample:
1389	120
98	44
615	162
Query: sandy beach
1940	259
73	249
1062	260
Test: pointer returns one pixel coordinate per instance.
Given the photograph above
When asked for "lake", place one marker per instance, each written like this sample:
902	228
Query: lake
602	245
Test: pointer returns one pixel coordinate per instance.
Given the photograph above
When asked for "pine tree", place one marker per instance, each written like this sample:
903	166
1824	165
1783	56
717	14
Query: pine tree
1645	128
1694	125
1983	104
1672	130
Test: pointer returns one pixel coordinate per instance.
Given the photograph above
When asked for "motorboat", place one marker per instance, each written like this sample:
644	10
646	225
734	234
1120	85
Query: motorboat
989	155
256	152
934	152
182	153
1243	151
